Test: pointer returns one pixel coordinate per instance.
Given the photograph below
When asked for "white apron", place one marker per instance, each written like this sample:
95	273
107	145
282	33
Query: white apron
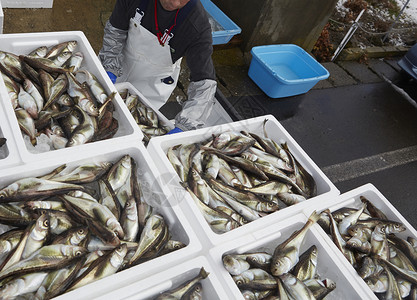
148	65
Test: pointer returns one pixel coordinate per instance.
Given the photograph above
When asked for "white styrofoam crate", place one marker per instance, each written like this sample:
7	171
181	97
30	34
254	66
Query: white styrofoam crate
329	265
352	199
23	43
158	147
27	3
154	194
9	155
152	286
132	90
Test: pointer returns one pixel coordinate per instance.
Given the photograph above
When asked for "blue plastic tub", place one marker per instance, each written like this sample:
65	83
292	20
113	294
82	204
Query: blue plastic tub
284	70
228	27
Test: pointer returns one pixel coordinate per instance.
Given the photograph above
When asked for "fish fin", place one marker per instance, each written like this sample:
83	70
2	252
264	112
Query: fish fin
263	127
314	217
203	273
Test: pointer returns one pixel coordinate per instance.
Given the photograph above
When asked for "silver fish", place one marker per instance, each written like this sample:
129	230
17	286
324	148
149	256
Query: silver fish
59	221
95	211
46	258
404	246
39	52
338	239
393	291
108	265
32	186
286	255
350	220
235	264
26	123
25	283
194	293
14	214
247	198
307	265
256	295
9	240
219	221
409	275
61	47
120	172
57	88
84	173
226	174
129	220
153	231
38	235
73	236
58	142
33	91
57	281
28	103
179	292
84	132
242	177
108	198
62	58
75	61
379	242
43	63
83	99
256	279
176	163
378	284
369	268
295	287
246	212
96	88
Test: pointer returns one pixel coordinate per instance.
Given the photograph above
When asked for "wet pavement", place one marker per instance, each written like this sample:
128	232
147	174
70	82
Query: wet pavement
355	126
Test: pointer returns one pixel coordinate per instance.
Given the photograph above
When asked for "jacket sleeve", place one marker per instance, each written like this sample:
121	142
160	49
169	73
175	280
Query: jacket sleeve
198	107
111	55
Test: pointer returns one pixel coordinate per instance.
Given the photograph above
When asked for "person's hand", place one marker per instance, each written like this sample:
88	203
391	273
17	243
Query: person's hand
112	76
175	130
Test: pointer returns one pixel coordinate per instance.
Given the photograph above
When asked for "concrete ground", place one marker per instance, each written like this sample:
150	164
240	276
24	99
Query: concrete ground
355	126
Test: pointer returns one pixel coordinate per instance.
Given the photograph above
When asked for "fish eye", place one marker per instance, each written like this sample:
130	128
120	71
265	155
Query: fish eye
46	223
78	253
239	282
81	231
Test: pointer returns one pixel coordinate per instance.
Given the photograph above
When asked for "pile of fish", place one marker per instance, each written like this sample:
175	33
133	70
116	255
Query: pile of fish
189	290
73	226
237	177
50	100
368	239
283	275
146	118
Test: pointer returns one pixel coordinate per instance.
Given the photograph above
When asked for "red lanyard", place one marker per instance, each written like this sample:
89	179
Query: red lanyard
159	34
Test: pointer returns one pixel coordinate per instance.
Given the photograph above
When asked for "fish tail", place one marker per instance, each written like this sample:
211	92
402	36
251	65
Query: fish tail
203	273
314	217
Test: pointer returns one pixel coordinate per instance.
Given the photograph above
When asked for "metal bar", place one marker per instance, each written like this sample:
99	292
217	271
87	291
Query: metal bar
348	35
396	19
